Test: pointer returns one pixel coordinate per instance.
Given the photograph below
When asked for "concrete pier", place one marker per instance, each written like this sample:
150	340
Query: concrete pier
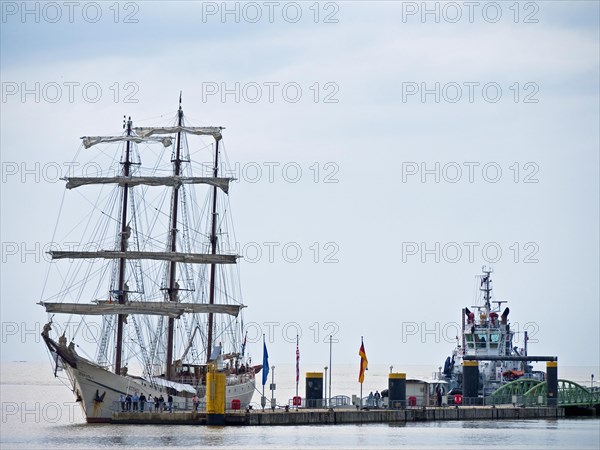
164	418
343	416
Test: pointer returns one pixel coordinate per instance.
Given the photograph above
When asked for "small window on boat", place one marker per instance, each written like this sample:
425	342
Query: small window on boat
494	337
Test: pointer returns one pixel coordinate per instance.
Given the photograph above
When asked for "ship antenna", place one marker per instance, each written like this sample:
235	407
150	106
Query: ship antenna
180	111
486	287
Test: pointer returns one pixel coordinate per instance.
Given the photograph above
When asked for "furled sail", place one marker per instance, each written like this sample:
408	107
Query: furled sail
200	131
170	309
88	141
194	258
222	183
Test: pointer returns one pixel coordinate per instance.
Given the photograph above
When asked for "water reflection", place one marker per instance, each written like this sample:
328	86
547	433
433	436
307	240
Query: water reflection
551	434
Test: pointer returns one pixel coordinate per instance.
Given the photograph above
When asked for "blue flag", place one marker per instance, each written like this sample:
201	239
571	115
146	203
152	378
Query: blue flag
244	345
265	364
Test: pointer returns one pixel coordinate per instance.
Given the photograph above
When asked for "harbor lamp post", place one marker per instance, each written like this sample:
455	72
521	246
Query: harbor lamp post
325	384
391	368
592	383
331	367
272	387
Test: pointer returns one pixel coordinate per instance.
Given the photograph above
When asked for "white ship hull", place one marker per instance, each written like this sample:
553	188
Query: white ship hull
99	391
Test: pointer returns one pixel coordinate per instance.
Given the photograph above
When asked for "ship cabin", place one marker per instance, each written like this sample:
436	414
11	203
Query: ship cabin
192	374
195	374
489	335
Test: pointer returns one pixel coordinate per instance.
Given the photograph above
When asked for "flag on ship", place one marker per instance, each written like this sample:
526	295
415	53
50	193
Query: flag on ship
244	345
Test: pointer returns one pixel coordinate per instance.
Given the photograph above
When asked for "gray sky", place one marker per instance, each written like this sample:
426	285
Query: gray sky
409	147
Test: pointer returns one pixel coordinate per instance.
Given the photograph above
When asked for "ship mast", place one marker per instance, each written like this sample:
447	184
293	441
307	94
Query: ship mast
170	306
213	243
487	289
124	237
173	289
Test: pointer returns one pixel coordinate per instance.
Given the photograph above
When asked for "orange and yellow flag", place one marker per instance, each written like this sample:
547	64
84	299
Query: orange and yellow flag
364	362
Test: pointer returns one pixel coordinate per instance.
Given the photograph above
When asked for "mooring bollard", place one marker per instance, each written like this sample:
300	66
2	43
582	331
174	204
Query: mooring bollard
552	383
215	397
314	389
397	390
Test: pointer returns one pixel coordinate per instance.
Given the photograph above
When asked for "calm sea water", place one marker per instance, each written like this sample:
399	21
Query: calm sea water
39	412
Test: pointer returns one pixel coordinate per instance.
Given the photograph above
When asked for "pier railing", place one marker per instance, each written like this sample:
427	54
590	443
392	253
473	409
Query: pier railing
333	402
509	400
575	396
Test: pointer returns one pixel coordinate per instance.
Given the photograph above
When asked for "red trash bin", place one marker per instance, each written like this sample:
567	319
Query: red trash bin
235	403
412	401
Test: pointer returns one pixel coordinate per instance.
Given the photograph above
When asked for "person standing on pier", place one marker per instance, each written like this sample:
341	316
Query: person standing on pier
136	400
377	398
156	403
195	401
170	401
142	402
438	391
122	400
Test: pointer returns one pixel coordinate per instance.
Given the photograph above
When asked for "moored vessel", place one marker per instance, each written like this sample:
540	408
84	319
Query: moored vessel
486	334
151	287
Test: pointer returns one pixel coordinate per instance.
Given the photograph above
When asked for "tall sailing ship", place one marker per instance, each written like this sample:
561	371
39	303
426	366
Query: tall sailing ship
150	297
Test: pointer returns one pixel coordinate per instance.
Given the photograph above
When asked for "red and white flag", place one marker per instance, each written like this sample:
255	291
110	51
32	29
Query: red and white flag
297	362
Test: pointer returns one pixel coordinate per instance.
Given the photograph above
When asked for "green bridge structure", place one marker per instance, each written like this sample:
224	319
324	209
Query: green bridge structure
553	392
529	392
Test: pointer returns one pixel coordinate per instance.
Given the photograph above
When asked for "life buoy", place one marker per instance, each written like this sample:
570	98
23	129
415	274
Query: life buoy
457	399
